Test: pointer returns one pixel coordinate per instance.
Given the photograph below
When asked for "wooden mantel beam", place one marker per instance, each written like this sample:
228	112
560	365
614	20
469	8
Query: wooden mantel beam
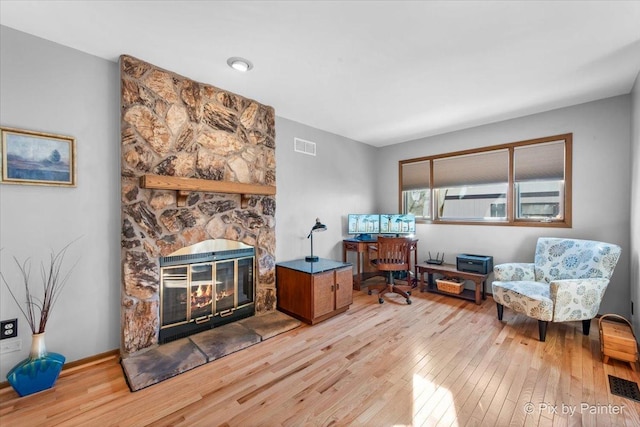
183	185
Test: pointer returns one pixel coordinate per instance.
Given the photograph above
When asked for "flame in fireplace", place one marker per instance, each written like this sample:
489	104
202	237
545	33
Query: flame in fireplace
201	296
206	292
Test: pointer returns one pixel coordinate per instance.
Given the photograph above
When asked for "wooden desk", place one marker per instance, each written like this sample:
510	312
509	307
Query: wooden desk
450	270
360	247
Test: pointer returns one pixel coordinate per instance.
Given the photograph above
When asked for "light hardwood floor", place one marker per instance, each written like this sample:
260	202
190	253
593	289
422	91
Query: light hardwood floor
438	362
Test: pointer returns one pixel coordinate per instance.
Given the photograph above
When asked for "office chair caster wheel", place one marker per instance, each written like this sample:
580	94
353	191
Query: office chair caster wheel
380	300
408	292
408	301
369	292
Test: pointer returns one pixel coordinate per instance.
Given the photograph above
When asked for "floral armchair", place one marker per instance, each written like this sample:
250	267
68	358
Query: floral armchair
565	283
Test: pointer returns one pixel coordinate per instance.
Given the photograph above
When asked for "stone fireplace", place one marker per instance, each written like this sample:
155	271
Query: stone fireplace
197	165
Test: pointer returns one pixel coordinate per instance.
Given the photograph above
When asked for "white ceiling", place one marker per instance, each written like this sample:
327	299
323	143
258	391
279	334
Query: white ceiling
379	72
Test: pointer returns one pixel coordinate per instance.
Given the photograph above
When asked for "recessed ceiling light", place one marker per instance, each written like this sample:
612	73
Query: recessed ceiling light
239	64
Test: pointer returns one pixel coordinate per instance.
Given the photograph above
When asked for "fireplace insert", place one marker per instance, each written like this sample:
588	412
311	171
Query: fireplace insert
205	285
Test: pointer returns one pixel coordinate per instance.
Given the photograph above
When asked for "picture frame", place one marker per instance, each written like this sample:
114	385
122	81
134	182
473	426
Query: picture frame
37	158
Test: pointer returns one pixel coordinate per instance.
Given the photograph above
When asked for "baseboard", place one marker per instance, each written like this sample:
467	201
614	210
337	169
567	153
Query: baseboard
80	364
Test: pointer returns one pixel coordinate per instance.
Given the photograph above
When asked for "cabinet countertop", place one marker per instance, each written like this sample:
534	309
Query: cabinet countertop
313	267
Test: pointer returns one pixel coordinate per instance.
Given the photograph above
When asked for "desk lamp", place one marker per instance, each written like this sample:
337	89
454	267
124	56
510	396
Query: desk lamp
318	226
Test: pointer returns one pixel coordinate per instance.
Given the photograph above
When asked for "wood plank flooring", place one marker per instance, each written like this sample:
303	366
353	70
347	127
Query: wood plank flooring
441	361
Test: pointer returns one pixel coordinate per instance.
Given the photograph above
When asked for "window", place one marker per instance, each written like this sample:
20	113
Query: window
415	192
539	181
521	183
467	185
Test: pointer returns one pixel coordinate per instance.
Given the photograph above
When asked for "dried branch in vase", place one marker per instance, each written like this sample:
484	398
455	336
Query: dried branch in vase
37	308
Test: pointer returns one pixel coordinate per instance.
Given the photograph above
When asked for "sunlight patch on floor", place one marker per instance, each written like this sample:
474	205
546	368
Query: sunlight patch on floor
432	404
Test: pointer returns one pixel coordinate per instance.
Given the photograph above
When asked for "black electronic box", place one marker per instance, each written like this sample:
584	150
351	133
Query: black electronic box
481	264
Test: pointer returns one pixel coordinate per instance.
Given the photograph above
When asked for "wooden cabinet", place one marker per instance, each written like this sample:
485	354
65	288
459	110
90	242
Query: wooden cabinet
314	291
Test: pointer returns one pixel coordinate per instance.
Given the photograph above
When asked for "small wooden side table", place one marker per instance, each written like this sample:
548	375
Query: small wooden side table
314	291
450	270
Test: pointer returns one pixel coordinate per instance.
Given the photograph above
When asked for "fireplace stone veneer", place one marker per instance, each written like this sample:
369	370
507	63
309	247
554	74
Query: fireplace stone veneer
175	127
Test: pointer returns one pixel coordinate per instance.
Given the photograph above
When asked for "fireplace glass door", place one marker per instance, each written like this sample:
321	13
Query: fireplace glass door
188	292
225	294
201	291
174	298
205	285
245	281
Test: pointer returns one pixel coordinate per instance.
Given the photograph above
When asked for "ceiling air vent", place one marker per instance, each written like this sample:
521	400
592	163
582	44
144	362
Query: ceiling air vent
305	147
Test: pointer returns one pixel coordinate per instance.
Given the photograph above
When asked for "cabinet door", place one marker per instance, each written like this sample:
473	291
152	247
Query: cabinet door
294	292
344	287
323	293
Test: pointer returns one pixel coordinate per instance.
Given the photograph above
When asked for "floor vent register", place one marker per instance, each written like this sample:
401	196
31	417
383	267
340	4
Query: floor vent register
624	388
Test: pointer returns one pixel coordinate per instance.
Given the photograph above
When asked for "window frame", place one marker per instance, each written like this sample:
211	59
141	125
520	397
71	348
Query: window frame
511	219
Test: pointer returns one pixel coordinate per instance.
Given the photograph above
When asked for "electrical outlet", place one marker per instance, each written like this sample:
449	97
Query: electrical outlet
8	329
10	346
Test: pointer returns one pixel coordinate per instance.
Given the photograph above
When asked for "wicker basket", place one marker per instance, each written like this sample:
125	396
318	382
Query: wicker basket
451	286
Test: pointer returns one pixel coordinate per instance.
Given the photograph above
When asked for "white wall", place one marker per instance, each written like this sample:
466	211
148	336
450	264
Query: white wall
635	203
50	88
601	187
337	181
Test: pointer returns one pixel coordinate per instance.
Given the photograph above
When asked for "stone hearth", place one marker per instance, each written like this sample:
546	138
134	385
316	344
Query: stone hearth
161	362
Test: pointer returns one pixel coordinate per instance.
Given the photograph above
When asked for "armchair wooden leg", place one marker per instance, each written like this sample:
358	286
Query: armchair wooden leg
586	324
542	329
500	310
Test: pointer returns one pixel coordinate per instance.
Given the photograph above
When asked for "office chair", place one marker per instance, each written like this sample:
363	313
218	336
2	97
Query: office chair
391	255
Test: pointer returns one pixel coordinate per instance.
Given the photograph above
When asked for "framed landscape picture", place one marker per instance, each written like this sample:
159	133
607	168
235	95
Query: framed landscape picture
37	158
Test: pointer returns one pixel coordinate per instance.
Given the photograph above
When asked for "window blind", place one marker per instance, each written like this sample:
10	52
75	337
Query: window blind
539	161
488	167
416	175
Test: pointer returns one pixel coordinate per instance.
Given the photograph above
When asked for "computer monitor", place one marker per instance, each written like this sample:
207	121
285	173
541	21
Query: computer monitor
363	225
397	224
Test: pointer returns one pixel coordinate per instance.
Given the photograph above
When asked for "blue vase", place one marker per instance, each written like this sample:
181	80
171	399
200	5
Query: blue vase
39	371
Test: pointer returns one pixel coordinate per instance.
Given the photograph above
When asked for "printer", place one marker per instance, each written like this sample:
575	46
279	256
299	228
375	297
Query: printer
481	264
